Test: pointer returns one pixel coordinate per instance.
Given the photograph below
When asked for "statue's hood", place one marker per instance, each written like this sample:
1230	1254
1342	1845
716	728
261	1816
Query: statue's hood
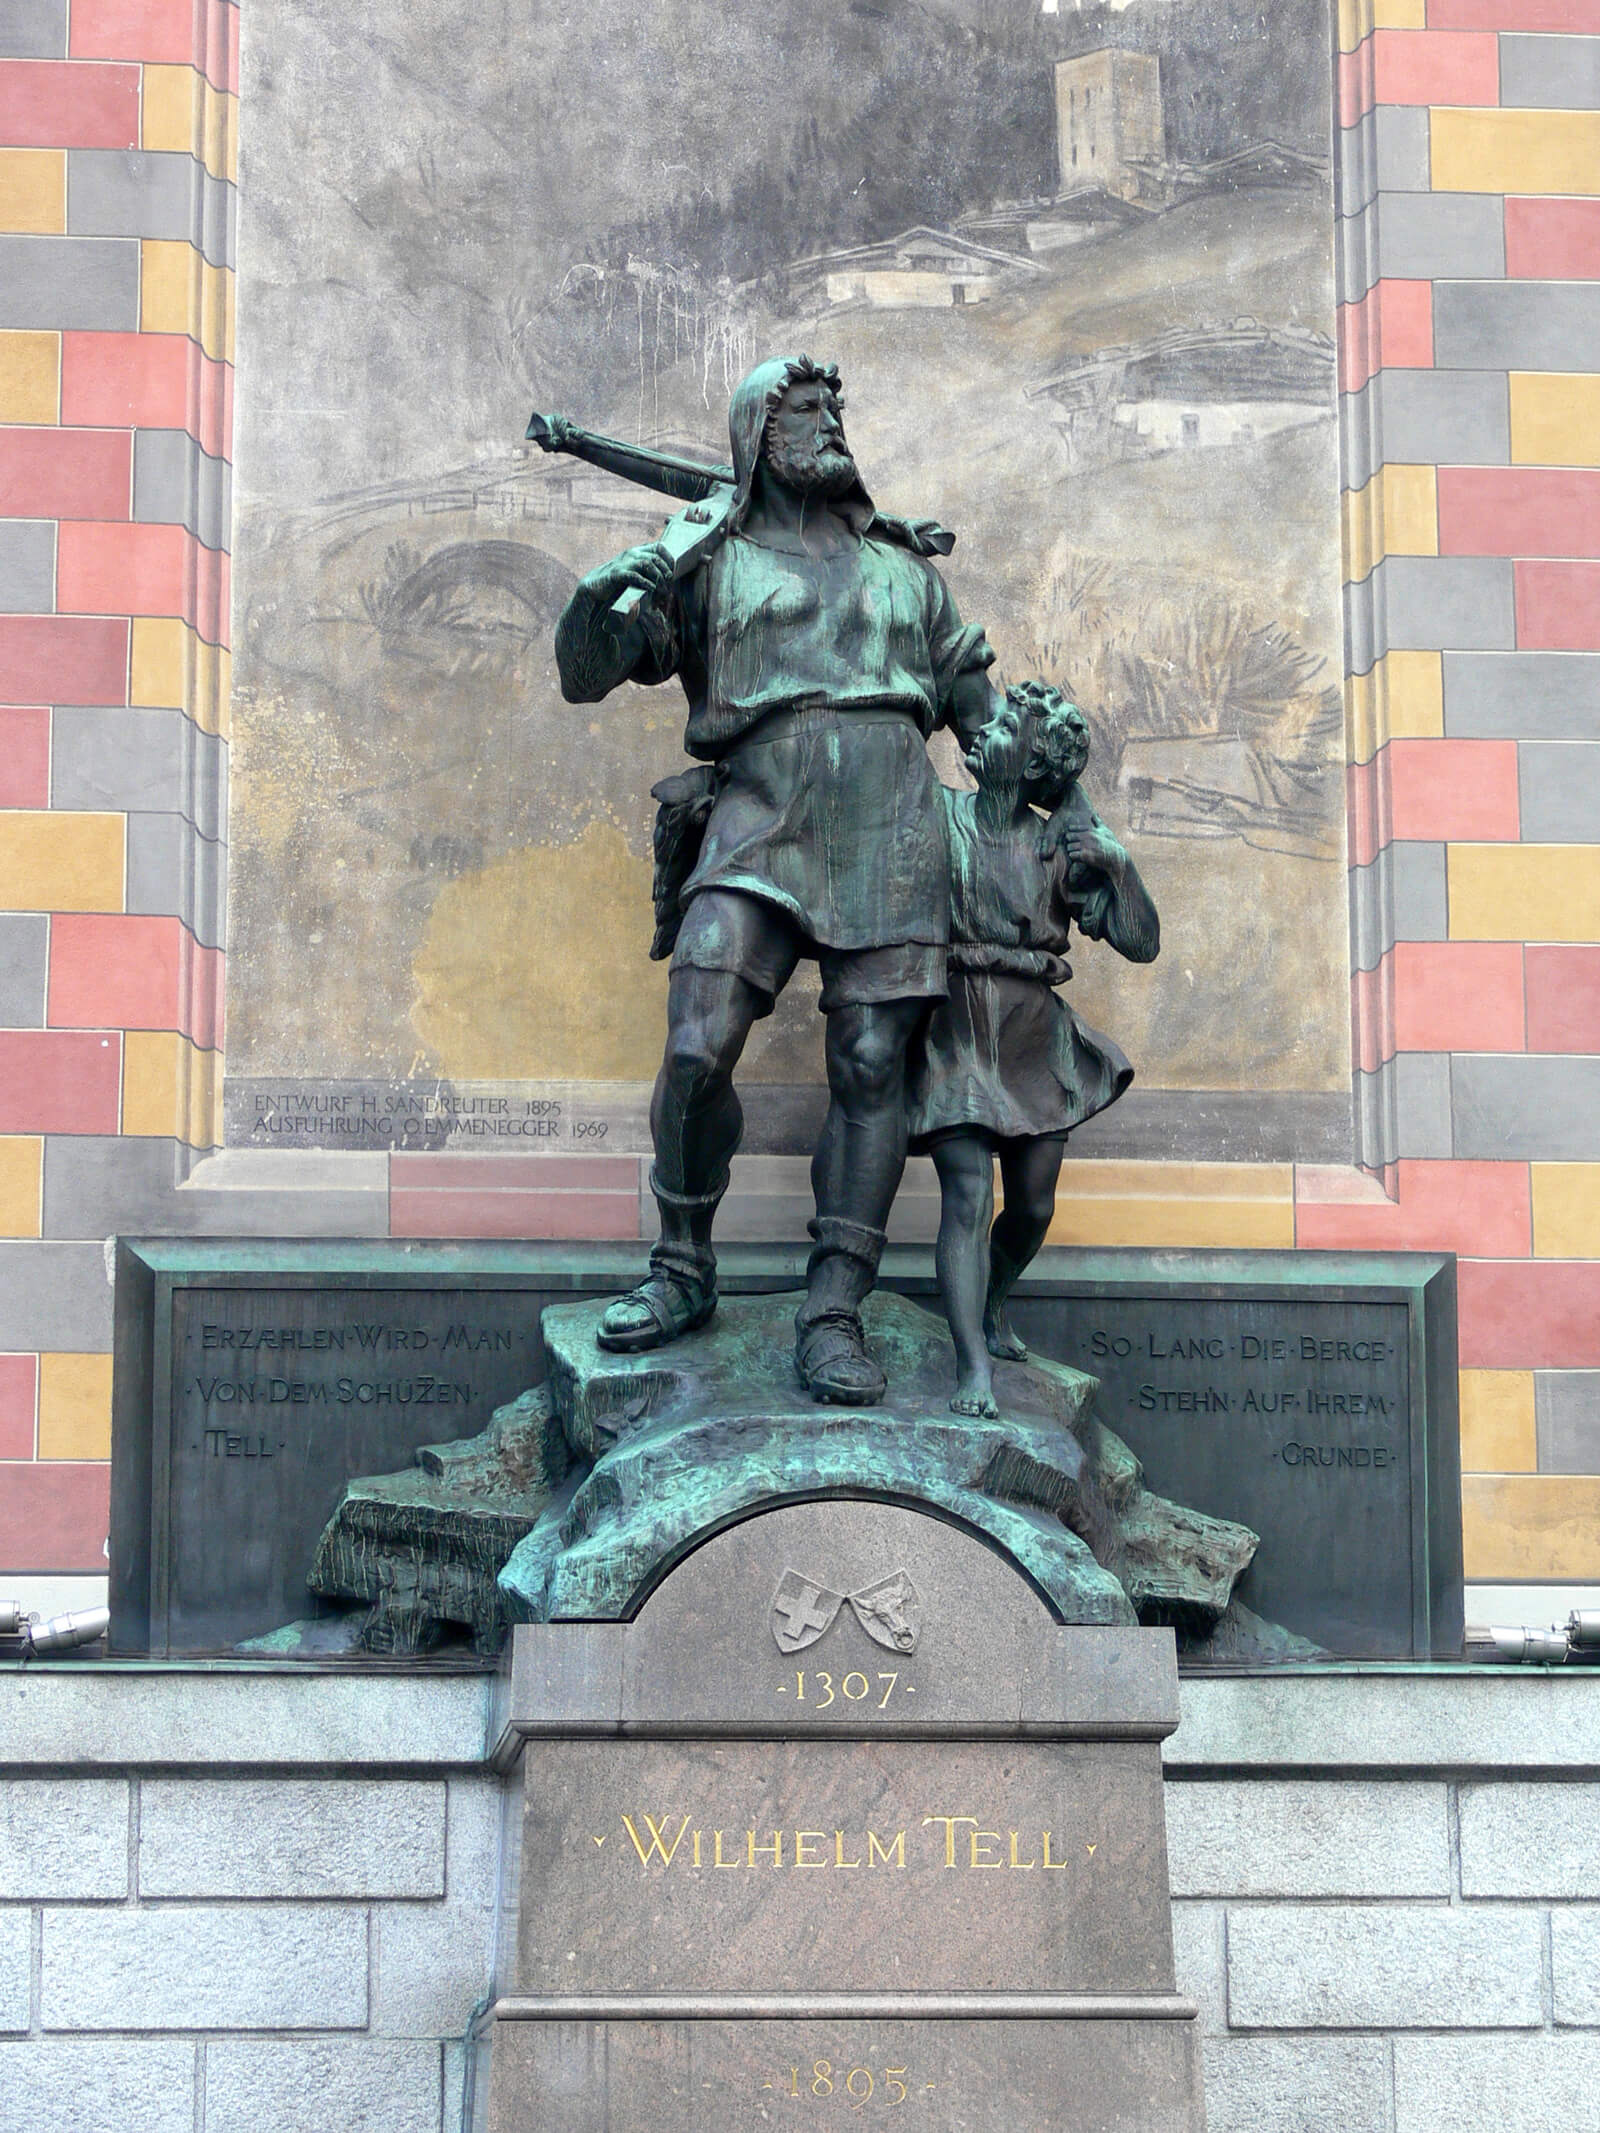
754	398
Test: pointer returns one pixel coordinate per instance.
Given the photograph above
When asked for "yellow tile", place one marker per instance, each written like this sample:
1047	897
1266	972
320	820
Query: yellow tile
182	112
21	1169
60	862
1241	1205
74	1407
33	191
30	377
1410	524
1414	687
1566	1210
1535	1526
1399	14
1515	151
1355	22
170	1088
180	293
1555	418
172	667
1497	1431
1402	698
1524	892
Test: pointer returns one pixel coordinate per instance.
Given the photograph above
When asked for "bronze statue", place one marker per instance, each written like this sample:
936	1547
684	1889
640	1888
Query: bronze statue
818	648
1006	1068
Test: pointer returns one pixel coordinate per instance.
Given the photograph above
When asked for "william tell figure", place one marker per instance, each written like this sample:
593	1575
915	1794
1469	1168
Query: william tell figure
1006	1067
818	649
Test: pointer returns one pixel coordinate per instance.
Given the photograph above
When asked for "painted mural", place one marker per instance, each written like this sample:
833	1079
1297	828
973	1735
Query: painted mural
1075	265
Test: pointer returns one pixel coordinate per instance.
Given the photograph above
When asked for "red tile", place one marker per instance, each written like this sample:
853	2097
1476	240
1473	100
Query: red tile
1440	1207
1525	1315
54	1517
1556	17
25	758
64	103
1435	66
514	1214
1558	606
1563	998
1458	996
179	33
1355	83
141	570
65	473
1452	791
1372	1010
84	659
1367	808
1522	511
1553	240
117	971
58	1081
553	1171
153	381
1391	327
19	1378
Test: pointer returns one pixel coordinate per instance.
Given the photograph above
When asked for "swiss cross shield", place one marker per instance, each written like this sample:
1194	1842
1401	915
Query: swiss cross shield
802	1611
890	1611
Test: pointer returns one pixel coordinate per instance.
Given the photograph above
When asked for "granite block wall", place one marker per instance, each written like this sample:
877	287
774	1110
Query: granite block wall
1469	248
226	1893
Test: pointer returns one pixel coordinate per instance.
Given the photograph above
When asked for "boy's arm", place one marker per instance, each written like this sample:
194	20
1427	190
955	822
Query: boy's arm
1115	905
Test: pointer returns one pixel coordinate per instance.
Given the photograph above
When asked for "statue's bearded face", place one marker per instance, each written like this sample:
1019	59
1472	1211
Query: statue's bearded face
805	447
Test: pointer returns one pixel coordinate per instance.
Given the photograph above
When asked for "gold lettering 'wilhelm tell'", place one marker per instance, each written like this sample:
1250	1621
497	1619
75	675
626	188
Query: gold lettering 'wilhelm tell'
958	1842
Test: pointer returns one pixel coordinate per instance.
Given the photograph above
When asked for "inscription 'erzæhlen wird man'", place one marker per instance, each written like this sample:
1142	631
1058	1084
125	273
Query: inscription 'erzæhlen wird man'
963	1845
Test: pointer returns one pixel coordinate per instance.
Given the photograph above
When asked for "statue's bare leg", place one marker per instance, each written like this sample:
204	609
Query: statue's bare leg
696	1121
1028	1173
966	1208
855	1174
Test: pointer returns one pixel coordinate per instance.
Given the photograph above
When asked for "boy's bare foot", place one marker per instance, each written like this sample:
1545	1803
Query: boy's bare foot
975	1396
1002	1342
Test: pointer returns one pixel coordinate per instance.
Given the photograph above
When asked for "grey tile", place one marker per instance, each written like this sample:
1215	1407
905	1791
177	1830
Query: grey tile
176	484
27	566
1399	897
151	762
55	1296
173	870
1404	1109
1360	443
97	1184
1356	253
1566	1408
24	954
1550	73
1560	783
33	29
1515	325
1428	236
1386	152
1442	418
132	192
1533	696
1431	603
1523	1108
89	284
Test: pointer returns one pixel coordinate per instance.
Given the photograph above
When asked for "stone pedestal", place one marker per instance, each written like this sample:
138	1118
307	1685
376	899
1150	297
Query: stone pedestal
844	1824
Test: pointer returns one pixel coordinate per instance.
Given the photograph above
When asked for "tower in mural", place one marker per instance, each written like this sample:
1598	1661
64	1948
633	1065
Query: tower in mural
1109	128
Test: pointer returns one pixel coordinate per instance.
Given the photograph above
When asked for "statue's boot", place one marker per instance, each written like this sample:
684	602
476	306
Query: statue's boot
997	1333
830	1344
680	1291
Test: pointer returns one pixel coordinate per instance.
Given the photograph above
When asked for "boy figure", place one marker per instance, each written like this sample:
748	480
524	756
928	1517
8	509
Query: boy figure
1006	1068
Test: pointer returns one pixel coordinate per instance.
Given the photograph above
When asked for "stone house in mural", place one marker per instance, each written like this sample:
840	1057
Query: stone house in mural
1038	228
1192	388
921	269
